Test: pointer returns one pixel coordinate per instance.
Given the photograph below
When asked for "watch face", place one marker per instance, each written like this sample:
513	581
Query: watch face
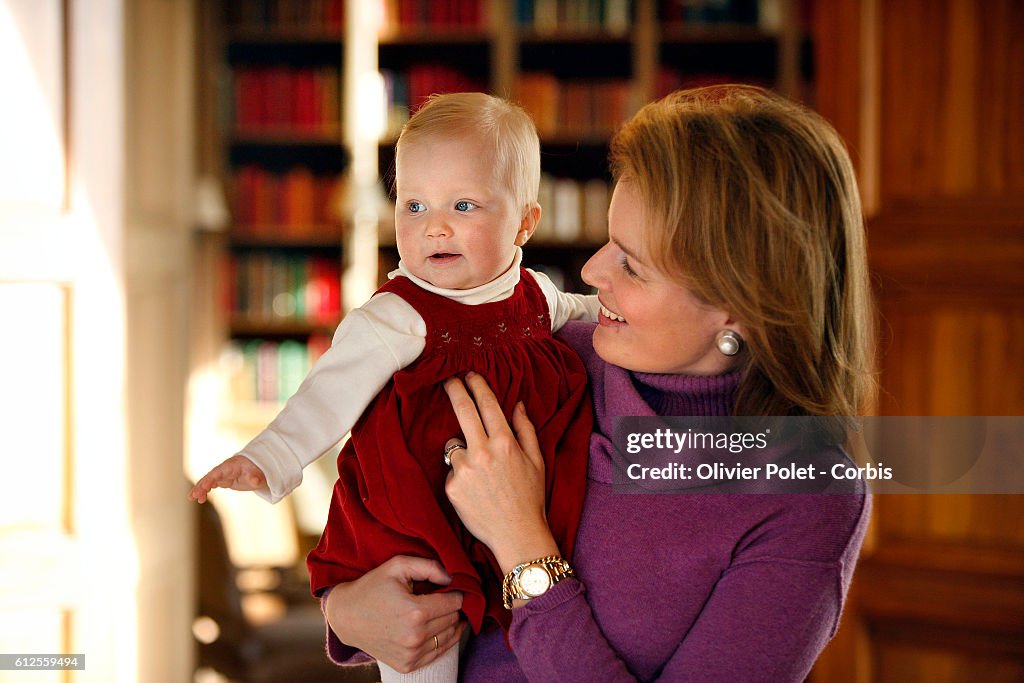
535	580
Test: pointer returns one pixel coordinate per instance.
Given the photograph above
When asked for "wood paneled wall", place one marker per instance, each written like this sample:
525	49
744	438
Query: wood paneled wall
929	95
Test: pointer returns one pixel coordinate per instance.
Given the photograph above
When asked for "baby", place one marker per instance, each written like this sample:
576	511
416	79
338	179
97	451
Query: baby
467	176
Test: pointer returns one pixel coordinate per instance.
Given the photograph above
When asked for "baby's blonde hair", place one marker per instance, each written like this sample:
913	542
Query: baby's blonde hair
752	203
499	124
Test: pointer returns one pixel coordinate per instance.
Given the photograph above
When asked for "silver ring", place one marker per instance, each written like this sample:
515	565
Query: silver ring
451	449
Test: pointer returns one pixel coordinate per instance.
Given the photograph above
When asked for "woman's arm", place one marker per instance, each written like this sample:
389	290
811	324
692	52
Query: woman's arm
766	619
379	615
497	488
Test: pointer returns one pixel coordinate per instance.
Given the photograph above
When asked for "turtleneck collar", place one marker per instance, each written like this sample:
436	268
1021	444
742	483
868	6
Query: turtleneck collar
498	289
620	393
712	395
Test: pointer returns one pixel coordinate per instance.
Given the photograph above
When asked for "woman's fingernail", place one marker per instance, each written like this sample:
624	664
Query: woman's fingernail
470	374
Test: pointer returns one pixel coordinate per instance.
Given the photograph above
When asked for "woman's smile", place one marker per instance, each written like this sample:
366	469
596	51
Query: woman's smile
610	317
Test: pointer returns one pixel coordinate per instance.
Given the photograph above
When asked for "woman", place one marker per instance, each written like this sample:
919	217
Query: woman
734	282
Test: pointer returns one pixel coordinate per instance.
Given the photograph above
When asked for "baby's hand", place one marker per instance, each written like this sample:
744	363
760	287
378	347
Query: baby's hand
237	472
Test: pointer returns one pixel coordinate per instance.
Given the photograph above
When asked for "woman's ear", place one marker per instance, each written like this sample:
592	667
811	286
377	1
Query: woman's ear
527	226
738	334
732	324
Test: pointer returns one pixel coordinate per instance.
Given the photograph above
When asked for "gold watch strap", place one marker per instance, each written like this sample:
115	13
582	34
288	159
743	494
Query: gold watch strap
556	567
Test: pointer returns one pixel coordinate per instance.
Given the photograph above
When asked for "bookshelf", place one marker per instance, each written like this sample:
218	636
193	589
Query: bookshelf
275	163
581	68
277	129
282	162
284	136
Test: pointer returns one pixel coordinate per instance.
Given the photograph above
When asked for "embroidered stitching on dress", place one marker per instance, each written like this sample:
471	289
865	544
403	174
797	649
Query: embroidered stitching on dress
479	334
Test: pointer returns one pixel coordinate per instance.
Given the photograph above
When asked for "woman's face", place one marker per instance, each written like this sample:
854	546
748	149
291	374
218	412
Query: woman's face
649	323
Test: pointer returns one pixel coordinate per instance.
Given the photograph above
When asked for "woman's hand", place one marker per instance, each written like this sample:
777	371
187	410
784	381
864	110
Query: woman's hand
379	614
497	482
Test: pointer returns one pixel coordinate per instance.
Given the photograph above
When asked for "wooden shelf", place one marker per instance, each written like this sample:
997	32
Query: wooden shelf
569	36
435	35
259	35
288	138
715	33
277	236
244	326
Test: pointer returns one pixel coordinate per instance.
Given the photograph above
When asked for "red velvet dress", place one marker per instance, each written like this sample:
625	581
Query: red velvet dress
389	498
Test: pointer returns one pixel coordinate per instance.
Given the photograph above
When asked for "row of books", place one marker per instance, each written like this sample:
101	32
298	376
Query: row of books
550	16
579	107
703	12
272	287
669	80
322	16
296	203
286	99
270	371
407	90
572	211
413	15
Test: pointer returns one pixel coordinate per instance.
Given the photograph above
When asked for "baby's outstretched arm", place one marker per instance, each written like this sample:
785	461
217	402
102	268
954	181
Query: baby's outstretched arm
372	343
237	472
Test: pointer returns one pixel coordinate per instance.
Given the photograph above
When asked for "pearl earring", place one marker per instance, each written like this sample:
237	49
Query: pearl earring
728	342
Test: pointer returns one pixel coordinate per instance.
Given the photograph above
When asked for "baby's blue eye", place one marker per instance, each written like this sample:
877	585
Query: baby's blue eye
415	207
463	205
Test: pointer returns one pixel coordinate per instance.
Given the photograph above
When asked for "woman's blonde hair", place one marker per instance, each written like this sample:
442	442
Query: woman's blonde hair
753	205
500	125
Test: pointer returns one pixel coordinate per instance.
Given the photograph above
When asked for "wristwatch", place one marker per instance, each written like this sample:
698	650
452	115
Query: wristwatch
533	579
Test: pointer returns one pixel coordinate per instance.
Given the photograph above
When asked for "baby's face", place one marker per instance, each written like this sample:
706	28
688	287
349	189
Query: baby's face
456	227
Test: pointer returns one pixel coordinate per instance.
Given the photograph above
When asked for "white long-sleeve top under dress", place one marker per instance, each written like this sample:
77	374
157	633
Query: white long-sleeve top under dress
372	343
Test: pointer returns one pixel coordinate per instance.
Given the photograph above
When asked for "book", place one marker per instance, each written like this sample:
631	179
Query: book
327	16
272	287
596	195
260	370
292	366
283	100
566	210
411	16
579	108
545	231
538	94
296	204
546	17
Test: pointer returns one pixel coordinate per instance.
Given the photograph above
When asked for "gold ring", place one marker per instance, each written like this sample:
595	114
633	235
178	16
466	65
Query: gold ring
451	449
435	642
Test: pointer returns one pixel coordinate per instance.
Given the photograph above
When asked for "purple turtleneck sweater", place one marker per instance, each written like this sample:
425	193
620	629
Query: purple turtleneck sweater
685	587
